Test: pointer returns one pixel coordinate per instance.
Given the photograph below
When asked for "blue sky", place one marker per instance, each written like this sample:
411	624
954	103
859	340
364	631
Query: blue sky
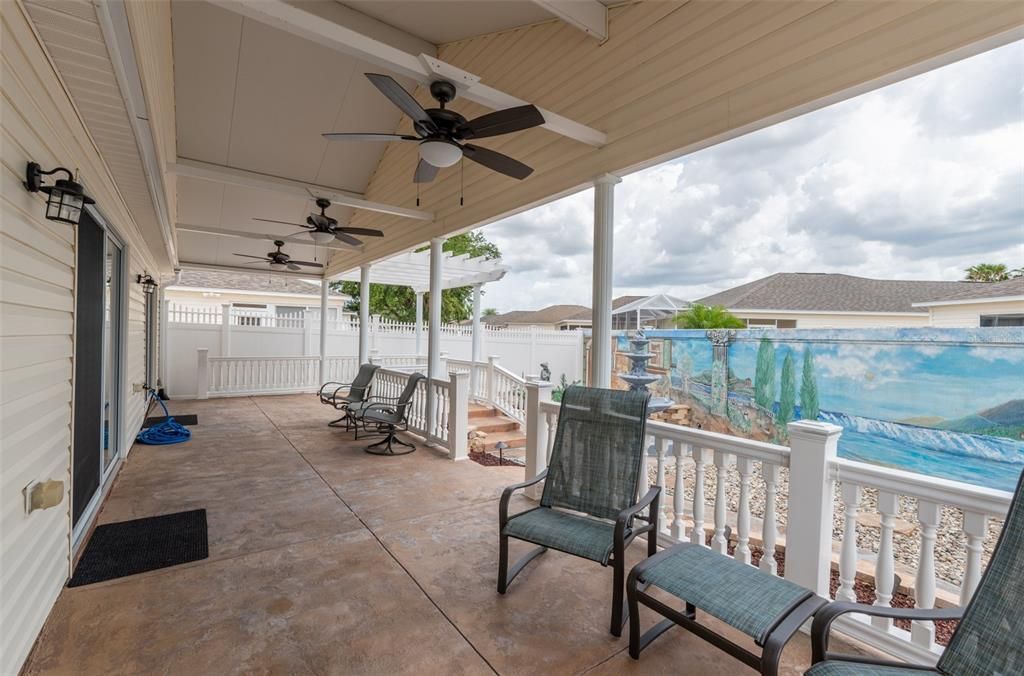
917	180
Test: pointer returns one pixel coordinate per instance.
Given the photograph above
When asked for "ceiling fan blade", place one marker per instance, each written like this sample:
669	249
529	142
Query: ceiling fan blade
347	239
343	136
425	172
293	266
260	258
366	232
502	122
401	98
503	164
308	264
270	220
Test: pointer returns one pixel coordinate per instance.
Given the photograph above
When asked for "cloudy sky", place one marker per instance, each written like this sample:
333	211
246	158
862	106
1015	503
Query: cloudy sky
918	180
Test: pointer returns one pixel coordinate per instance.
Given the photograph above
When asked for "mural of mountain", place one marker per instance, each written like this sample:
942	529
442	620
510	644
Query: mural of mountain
1004	420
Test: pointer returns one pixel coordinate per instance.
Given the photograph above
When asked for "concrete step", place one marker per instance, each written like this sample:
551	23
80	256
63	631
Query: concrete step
498	423
481	411
514	439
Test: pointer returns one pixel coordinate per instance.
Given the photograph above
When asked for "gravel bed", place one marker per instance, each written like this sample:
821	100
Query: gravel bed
950	543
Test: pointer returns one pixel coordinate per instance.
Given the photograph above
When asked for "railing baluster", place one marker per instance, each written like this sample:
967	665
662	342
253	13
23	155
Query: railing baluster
661	446
679	494
923	633
888	503
745	467
975	526
769	527
700	460
719	542
848	556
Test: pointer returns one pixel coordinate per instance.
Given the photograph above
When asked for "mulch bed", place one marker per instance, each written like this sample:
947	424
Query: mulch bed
489	460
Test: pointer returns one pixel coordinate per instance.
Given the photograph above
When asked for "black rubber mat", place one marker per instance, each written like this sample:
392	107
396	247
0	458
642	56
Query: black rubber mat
187	419
140	545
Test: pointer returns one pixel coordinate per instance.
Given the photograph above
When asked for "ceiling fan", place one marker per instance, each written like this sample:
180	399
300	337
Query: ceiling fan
441	133
279	260
324	229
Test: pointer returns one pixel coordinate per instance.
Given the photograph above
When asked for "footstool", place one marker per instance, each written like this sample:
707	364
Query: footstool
767	608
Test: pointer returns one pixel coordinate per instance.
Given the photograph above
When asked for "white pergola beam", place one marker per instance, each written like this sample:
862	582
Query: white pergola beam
590	16
217	173
424	68
189	265
293	239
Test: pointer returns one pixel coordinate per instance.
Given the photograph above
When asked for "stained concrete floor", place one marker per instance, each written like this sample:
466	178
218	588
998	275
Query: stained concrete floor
327	560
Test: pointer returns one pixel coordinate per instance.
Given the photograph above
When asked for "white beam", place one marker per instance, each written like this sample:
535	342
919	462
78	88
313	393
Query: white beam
300	238
189	265
249	179
424	68
590	16
604	230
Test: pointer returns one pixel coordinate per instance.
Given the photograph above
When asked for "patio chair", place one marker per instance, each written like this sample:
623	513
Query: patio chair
342	396
987	639
588	507
387	415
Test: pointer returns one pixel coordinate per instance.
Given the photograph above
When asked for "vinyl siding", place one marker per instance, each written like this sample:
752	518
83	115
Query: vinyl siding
37	265
672	78
969	315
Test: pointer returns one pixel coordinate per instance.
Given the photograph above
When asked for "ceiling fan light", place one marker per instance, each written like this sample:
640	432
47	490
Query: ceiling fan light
440	153
322	237
278	266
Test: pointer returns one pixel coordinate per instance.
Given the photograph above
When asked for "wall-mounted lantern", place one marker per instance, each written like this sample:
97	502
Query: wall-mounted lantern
66	196
147	282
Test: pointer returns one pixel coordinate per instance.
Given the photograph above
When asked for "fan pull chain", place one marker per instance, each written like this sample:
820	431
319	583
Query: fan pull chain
462	180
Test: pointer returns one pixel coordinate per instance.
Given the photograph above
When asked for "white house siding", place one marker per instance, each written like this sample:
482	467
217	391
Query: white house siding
970	314
806	320
37	266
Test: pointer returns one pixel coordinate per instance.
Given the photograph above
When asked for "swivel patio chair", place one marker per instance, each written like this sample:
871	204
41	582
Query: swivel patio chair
596	467
343	396
989	638
388	415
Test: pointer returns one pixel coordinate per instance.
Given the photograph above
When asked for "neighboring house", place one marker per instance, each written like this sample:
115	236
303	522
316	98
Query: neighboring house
273	295
822	300
554	317
980	304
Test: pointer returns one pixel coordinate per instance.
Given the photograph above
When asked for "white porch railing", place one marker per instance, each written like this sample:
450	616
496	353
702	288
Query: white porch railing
495	386
795	486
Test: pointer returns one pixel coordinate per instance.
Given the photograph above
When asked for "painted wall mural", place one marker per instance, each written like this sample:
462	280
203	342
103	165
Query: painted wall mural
943	402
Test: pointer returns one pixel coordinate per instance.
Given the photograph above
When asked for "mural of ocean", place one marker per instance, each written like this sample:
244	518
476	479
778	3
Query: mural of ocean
993	462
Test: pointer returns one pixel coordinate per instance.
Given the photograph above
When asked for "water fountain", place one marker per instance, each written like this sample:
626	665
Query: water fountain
637	377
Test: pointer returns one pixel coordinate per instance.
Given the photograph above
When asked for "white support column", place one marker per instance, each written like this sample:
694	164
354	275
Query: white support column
202	373
163	341
434	326
364	313
809	531
225	330
458	416
477	347
536	429
419	323
604	230
324	290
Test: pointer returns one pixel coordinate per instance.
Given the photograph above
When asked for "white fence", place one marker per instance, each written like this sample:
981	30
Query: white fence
228	331
795	489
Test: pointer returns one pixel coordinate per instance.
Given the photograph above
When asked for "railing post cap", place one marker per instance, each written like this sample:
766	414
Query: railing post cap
813	429
493	357
538	384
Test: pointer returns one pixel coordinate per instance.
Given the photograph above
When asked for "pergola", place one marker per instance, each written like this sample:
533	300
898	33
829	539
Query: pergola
651	308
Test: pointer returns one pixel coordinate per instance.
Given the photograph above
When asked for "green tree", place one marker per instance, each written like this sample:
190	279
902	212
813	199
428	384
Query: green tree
764	376
787	394
490	312
809	408
398	303
704	317
989	272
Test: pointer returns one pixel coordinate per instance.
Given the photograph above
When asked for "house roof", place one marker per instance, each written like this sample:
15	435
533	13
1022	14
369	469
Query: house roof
825	292
980	291
554	314
240	281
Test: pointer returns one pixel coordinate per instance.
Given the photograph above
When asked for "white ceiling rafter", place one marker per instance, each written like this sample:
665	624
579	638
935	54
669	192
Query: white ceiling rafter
216	173
188	265
424	68
300	238
590	16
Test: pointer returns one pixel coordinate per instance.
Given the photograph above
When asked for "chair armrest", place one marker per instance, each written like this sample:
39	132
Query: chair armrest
340	386
375	406
628	514
506	495
824	618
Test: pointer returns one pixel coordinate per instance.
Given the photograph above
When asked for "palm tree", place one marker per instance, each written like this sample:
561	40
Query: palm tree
989	272
704	317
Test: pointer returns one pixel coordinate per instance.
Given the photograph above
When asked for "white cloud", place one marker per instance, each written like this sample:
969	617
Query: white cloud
917	181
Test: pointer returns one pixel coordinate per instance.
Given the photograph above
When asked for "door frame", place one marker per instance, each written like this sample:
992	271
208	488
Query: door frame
107	473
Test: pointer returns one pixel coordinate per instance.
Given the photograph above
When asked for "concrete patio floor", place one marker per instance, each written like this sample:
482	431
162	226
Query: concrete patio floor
327	560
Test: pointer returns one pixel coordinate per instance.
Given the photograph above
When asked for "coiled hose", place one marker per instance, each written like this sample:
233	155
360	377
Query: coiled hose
168	432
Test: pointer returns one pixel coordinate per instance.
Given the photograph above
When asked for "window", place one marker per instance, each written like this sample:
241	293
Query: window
771	323
1002	320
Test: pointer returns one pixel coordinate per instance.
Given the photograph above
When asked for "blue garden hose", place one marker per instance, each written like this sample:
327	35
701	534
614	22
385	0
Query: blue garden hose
168	432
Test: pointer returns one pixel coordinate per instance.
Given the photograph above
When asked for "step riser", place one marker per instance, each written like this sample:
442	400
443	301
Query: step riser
496	427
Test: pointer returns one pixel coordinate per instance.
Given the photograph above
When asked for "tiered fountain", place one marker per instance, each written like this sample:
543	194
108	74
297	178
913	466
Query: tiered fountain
637	377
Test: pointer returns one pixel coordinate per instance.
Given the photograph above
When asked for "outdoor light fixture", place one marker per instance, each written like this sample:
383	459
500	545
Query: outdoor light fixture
147	282
66	196
440	153
322	236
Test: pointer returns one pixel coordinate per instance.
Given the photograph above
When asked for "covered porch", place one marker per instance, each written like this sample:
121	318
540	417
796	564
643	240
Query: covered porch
324	559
